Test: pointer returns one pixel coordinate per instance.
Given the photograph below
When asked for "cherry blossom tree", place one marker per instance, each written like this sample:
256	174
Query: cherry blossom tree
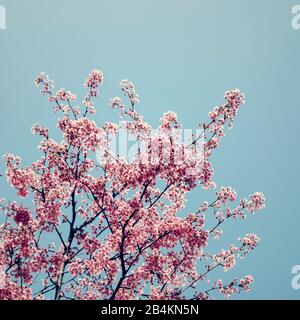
101	226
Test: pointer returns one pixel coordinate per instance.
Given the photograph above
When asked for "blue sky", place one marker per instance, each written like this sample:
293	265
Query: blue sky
182	56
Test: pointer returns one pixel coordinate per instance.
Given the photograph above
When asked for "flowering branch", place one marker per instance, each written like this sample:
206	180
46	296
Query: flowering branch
114	228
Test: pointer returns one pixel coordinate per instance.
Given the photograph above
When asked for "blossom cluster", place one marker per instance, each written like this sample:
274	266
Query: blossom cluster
44	83
93	82
81	133
226	193
116	228
63	95
234	286
40	130
257	202
128	89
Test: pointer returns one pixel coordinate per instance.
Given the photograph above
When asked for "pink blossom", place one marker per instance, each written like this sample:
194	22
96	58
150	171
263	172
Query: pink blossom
22	216
251	240
129	89
93	81
226	193
120	228
110	128
63	95
81	133
44	83
40	130
257	202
